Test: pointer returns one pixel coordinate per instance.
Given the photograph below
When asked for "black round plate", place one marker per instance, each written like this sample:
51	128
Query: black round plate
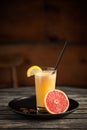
27	106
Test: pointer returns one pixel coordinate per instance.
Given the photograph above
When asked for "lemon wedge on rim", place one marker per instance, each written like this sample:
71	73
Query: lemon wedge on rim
33	70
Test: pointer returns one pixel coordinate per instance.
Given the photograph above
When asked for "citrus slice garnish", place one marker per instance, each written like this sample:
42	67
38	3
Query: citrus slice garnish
56	101
33	70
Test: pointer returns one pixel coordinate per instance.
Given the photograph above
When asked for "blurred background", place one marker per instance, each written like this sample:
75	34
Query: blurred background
32	32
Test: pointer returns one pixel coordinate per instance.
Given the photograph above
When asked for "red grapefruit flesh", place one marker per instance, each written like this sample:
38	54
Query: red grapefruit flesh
56	101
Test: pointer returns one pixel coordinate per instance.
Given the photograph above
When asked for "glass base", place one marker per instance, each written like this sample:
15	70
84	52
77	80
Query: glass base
41	110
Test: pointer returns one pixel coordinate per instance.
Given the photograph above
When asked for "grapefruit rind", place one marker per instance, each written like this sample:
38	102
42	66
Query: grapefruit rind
33	70
56	105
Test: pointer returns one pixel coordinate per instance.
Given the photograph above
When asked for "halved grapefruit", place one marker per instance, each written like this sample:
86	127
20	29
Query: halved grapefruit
56	101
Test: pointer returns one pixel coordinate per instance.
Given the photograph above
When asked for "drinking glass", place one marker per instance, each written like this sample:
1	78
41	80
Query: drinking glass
44	82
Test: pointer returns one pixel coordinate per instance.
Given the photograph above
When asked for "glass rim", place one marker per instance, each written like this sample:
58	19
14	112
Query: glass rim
48	68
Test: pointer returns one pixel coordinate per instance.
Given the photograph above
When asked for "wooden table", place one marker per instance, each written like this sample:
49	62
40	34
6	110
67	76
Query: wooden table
76	120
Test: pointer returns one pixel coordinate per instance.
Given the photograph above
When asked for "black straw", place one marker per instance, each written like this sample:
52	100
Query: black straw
60	56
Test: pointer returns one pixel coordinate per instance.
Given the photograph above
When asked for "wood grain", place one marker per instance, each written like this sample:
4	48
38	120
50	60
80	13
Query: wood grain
40	20
10	120
72	68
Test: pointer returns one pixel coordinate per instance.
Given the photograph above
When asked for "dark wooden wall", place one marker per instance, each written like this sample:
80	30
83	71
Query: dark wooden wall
72	70
34	29
43	20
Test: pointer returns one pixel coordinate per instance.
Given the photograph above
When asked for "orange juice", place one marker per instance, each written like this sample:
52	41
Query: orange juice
44	82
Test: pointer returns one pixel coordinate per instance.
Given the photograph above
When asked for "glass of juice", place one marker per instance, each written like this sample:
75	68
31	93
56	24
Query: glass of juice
44	82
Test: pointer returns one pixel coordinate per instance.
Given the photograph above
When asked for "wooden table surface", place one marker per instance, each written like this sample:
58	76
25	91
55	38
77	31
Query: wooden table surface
76	120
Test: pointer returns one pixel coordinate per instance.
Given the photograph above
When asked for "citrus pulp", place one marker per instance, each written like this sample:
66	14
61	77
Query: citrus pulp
56	101
33	70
